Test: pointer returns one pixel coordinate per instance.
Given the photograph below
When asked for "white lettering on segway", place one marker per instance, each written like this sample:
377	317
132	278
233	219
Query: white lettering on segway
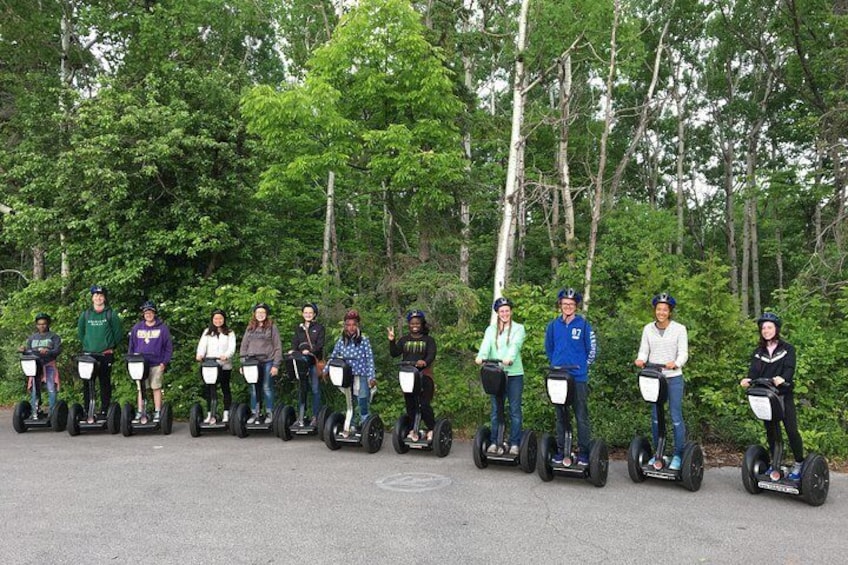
778	487
661	475
413	482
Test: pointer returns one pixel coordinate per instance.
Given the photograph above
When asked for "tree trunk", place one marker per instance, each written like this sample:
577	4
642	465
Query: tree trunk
681	154
746	252
329	226
388	233
37	263
755	258
565	84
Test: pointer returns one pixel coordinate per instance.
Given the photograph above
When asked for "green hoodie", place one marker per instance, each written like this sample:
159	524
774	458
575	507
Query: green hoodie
99	331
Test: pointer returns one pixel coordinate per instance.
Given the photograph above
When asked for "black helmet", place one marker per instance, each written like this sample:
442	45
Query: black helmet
43	316
148	305
664	298
502	301
263	306
569	293
769	317
415	314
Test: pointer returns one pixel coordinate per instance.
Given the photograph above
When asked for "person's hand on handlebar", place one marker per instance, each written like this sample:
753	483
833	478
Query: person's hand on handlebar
639	363
778	381
745	383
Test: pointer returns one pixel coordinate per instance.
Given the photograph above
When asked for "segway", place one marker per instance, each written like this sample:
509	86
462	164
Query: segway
210	372
28	415
252	367
339	429
138	369
764	471
87	420
494	378
654	389
560	387
291	424
410	379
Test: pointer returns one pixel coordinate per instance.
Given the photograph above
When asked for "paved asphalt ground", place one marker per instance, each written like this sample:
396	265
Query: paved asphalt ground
151	499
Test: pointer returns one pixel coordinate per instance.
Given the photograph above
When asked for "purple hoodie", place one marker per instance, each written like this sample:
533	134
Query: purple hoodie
154	342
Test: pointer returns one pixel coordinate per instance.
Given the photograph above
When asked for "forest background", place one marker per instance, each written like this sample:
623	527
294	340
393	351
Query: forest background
389	155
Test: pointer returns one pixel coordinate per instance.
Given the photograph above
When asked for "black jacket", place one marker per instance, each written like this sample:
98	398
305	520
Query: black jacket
316	337
780	364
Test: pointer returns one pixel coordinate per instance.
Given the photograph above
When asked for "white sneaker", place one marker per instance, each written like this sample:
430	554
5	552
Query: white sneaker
494	449
268	418
513	450
208	416
226	416
252	419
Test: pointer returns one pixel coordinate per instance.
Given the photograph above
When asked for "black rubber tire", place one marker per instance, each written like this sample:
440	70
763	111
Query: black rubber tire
372	434
598	463
443	437
59	416
276	421
231	424
287	420
321	421
638	454
166	419
755	461
126	420
547	449
21	413
692	467
478	449
113	418
240	421
195	417
331	428
815	479
74	417
402	427
528	451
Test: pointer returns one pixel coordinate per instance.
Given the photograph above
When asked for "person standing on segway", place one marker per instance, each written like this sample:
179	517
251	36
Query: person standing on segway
218	341
418	348
355	349
666	342
99	330
262	340
570	341
775	359
151	338
309	340
503	341
46	345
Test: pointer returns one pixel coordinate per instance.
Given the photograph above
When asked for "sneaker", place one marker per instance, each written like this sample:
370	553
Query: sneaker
651	461
513	450
582	459
795	473
558	457
212	420
413	436
313	422
226	416
137	416
156	416
268	418
207	418
493	449
675	463
430	435
252	419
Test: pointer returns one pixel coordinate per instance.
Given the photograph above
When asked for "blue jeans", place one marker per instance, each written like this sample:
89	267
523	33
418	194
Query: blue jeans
514	388
675	403
581	413
49	375
266	381
316	391
364	398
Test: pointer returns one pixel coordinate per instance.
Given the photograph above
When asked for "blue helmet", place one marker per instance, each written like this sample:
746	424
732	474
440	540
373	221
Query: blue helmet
502	301
97	289
148	305
664	298
571	294
769	317
415	314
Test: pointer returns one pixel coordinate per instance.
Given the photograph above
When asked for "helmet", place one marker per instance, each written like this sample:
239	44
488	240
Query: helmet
310	305
263	306
148	305
97	289
352	314
414	314
502	301
769	317
42	316
664	298
569	293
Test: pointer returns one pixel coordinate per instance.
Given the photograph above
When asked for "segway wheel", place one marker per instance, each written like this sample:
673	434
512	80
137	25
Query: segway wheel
478	450
113	418
287	421
443	437
815	479
638	454
547	448
372	433
321	420
166	419
402	427
59	416
527	451
232	422
74	417
331	428
240	421
276	421
754	463
598	463
692	468
126	420
194	420
21	413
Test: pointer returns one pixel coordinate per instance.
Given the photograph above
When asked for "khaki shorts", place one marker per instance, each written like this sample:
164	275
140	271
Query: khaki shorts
154	376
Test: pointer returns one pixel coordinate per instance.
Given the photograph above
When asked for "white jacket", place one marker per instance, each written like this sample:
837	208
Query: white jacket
218	345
